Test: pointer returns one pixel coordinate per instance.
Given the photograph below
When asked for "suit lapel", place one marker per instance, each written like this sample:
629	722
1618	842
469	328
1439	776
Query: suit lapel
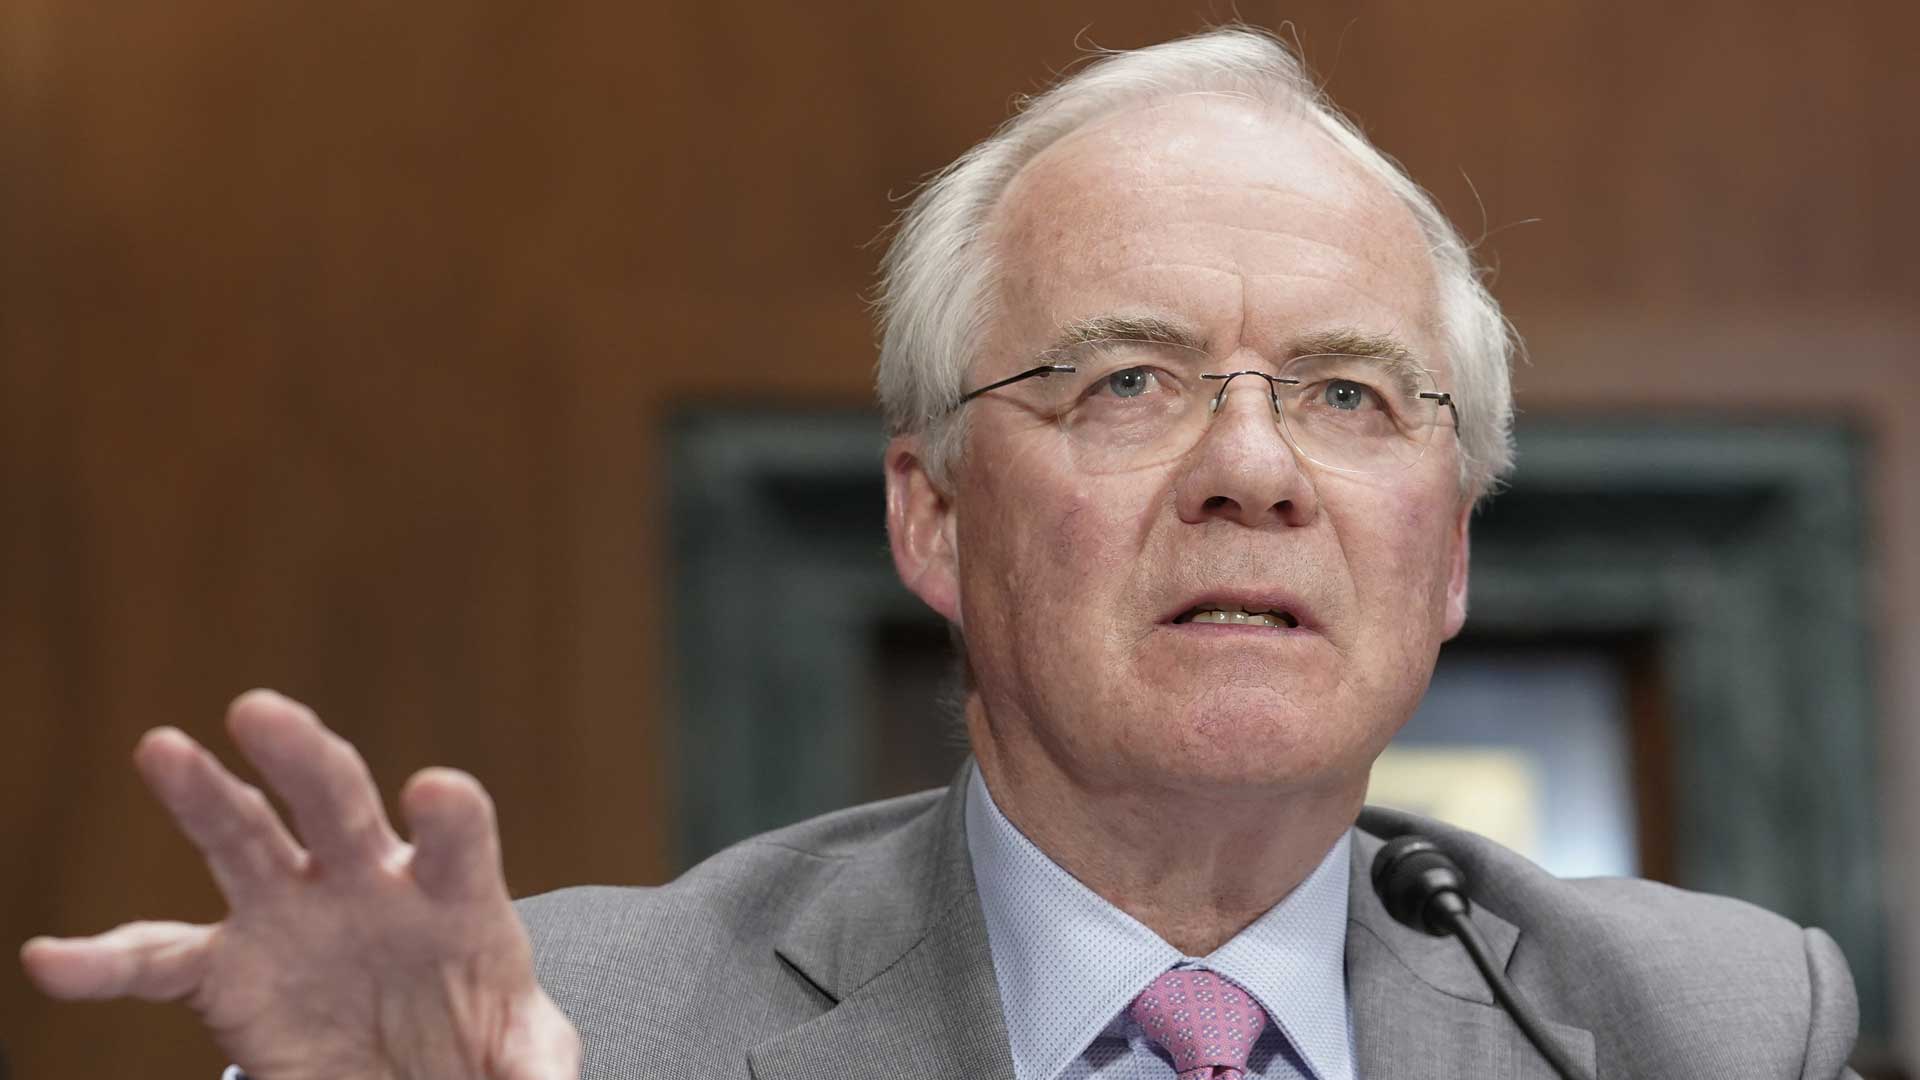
899	945
1421	1011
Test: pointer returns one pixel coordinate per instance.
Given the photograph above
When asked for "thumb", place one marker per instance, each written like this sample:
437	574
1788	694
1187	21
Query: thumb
544	1047
157	961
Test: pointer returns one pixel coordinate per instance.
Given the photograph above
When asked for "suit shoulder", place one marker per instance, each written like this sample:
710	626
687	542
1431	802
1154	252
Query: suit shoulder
1599	910
739	896
1649	911
643	972
1689	978
1681	979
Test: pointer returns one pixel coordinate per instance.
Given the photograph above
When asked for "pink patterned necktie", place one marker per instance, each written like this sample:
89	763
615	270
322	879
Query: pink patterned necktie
1207	1023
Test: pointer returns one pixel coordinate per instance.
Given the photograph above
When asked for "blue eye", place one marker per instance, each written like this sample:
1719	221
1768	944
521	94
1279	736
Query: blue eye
1129	382
1346	395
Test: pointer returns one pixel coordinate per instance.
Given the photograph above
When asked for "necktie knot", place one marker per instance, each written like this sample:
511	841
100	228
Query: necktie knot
1207	1023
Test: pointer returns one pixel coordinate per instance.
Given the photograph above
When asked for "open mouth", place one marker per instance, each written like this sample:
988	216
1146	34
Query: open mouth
1227	615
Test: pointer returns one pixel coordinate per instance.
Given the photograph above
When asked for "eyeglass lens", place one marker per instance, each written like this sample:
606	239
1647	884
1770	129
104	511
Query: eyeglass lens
1135	404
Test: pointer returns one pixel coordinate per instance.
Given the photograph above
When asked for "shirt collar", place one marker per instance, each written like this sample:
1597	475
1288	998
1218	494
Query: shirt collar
1068	962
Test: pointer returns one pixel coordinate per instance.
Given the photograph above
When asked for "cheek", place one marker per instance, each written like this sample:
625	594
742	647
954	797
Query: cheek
1047	546
1402	564
1429	559
1051	552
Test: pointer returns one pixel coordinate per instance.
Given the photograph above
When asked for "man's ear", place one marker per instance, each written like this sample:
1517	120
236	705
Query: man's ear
920	527
1456	616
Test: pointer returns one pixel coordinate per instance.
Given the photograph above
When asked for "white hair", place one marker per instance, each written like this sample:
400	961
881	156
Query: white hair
939	274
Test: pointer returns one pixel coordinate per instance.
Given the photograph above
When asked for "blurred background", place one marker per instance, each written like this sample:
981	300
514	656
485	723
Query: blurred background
495	377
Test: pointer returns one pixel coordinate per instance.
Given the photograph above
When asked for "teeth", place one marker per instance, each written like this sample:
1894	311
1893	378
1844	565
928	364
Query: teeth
1278	620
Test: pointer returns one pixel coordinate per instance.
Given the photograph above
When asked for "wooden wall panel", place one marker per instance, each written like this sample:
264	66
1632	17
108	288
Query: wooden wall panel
334	341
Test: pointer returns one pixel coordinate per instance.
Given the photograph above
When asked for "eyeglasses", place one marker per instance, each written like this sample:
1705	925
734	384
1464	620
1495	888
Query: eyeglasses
1130	404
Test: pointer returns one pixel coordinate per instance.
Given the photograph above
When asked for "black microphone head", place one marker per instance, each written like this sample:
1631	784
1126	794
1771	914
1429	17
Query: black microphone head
1410	874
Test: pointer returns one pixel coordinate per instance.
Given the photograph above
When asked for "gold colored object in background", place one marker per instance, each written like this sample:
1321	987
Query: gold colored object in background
1493	791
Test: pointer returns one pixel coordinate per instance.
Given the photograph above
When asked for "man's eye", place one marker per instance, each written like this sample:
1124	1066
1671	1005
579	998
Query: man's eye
1346	395
1129	382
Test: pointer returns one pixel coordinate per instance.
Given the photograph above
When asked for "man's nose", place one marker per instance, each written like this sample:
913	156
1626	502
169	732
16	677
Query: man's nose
1243	469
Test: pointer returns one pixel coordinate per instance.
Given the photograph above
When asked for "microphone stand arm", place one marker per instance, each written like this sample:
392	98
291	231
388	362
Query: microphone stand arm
1449	909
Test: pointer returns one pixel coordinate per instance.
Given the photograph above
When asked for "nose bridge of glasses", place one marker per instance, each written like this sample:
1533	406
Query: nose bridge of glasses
1259	420
1270	387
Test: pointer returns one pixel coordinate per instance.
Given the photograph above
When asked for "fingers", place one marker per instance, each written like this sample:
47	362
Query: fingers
157	961
456	841
246	847
336	807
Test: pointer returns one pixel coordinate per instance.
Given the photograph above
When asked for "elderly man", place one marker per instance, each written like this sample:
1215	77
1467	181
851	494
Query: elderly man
1192	395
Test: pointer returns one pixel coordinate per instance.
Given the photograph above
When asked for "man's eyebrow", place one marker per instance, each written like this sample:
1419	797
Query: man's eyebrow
1125	328
1357	343
1162	331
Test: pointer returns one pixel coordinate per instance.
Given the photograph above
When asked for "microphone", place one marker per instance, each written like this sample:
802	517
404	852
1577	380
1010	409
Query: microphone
1424	889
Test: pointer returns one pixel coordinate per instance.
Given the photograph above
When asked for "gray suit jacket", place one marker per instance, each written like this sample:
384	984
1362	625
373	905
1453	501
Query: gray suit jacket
852	947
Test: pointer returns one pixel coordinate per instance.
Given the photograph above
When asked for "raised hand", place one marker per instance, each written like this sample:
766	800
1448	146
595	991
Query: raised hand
356	956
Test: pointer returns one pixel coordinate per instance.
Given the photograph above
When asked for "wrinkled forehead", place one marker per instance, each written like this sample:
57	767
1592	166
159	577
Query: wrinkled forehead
1242	217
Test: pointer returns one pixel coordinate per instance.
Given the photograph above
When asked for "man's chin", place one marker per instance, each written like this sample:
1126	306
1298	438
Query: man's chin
1252	757
1255	738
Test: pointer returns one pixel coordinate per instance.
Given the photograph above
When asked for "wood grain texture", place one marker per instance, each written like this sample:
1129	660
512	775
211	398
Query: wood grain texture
334	341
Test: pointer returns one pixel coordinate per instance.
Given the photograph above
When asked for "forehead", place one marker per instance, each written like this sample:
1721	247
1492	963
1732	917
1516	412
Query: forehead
1239	218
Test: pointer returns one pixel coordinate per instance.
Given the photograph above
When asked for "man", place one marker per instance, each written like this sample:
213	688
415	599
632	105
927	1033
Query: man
1192	395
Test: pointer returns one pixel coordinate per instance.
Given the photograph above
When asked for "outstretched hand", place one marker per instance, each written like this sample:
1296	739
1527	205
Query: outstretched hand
358	955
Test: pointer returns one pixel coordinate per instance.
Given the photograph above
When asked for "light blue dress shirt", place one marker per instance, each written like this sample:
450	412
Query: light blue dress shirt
1069	963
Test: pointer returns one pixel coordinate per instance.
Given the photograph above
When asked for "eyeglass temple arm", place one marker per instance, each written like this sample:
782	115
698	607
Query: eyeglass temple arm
1041	372
1447	400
